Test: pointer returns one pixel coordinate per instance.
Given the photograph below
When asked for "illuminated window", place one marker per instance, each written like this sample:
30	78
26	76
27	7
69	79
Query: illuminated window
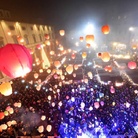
23	28
34	38
26	39
31	28
1	42
15	39
40	37
11	27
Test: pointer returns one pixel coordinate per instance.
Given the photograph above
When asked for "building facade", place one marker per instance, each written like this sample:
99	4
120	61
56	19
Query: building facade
33	36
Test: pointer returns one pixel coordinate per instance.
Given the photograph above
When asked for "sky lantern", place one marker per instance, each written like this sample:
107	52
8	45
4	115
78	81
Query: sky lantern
89	39
105	56
132	65
52	53
47	42
1	115
49	128
36	75
134	47
105	29
73	56
20	39
40	129
81	39
96	105
76	67
57	64
69	69
47	36
62	32
4	126
6	89
112	89
15	60
43	117
90	75
84	55
88	45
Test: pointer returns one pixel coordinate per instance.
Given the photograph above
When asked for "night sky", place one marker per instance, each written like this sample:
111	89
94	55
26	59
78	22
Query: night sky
69	14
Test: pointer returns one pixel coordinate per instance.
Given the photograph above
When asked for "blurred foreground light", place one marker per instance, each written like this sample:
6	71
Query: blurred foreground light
131	28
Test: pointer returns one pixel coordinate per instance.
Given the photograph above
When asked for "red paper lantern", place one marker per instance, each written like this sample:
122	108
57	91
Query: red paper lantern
15	60
47	36
105	29
1	115
73	56
81	39
132	65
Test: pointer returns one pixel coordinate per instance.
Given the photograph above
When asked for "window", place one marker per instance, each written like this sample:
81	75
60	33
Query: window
15	39
1	76
1	42
26	39
11	27
23	28
31	28
34	38
40	37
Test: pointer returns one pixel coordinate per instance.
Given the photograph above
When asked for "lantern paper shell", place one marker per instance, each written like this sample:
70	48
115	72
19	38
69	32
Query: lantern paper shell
47	36
105	29
84	55
6	89
89	39
132	65
15	60
62	32
105	56
81	39
69	69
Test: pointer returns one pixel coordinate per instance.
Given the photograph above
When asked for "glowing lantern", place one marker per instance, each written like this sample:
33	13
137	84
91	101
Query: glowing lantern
48	71
81	39
43	117
31	51
69	69
49	97
15	60
105	56
132	65
41	70
6	113
62	77
76	67
88	45
57	64
47	36
134	47
102	103
9	123
52	53
112	89
89	39
62	32
9	33
105	29
49	128
48	42
38	46
4	126
99	55
74	75
20	39
90	75
13	122
96	105
36	75
40	129
6	89
1	115
108	68
84	55
73	56
11	111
